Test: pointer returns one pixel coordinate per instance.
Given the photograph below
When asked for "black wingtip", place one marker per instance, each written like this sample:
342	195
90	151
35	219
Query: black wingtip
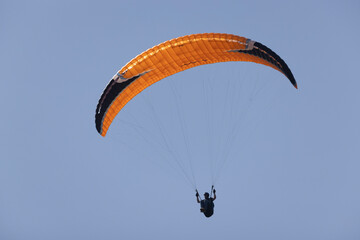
280	63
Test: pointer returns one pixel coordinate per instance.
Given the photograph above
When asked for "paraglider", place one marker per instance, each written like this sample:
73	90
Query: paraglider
206	204
174	56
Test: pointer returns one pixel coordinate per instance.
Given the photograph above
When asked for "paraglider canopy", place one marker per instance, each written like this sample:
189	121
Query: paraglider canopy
178	55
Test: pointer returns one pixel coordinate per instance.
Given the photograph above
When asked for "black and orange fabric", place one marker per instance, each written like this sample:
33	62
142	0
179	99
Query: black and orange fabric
174	56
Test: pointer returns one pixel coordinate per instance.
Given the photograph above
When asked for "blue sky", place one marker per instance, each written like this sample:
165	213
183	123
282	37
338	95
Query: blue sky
292	166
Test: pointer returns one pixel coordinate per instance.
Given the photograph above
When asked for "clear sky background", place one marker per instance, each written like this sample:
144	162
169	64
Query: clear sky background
292	161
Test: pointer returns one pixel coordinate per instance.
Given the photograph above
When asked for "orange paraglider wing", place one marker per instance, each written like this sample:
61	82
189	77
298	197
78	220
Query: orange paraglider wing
174	56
